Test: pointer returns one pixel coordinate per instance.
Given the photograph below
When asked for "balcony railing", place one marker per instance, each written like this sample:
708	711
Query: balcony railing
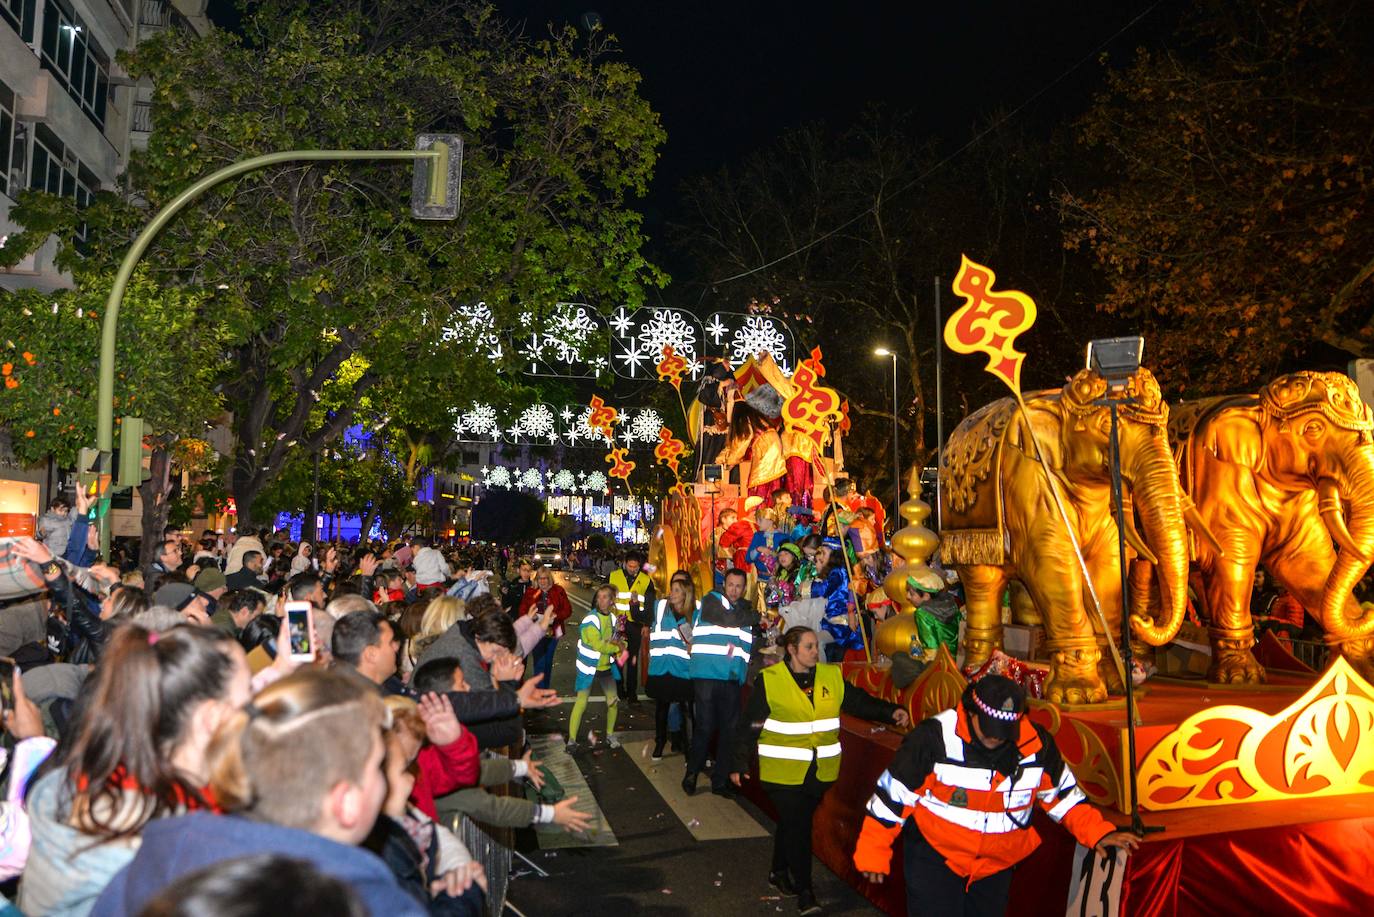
155	14
143	117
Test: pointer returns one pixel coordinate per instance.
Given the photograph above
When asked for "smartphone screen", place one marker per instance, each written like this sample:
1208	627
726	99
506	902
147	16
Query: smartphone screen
298	616
6	683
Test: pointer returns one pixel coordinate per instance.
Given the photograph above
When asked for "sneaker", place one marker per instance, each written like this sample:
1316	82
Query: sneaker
613	740
780	881
806	904
658	753
689	783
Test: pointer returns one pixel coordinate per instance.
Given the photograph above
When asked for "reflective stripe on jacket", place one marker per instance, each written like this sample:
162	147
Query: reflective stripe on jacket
596	632
718	652
668	652
800	729
976	817
624	590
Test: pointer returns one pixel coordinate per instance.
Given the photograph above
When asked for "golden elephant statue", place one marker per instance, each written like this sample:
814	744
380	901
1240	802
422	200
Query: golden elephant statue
1001	522
1270	474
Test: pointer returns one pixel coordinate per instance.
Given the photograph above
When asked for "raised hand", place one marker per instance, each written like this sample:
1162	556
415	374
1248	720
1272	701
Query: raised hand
441	724
534	697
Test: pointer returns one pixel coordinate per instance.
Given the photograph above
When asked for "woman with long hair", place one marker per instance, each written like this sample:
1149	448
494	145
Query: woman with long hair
793	717
299	772
841	618
670	678
136	751
597	650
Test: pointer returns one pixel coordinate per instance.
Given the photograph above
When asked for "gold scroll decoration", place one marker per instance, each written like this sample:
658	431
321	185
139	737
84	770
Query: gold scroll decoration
1320	745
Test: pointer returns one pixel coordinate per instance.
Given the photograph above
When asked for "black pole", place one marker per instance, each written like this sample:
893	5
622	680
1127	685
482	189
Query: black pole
315	503
896	458
939	404
1118	505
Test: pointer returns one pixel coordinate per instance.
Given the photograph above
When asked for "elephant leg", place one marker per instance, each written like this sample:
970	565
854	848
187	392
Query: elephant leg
983	585
1232	629
1104	564
1057	587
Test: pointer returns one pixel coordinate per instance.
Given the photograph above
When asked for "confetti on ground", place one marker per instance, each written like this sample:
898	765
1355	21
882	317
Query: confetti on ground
717	883
694	823
666	891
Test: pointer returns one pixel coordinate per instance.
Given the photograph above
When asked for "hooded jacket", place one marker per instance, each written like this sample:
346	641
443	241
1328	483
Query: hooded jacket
173	847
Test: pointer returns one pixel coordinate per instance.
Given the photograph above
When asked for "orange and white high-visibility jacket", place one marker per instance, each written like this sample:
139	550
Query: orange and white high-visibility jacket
973	804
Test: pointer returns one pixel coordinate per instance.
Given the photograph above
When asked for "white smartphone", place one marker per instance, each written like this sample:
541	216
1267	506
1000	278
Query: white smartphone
300	625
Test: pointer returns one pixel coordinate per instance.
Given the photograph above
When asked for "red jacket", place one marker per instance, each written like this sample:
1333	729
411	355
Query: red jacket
442	769
562	608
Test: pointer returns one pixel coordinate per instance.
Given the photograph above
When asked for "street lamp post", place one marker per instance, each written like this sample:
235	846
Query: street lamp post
896	457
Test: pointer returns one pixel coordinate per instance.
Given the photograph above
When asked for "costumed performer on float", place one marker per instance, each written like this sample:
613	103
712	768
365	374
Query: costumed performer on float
937	614
961	791
841	619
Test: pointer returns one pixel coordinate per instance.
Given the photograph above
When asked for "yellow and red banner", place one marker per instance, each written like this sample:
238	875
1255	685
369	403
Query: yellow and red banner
671	367
669	449
811	407
989	322
602	417
621	466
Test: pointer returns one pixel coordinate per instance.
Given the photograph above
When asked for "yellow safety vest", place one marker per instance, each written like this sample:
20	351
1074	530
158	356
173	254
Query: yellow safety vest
624	590
799	729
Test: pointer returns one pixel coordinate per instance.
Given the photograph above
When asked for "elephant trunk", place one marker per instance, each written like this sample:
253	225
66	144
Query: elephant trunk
1356	541
1159	503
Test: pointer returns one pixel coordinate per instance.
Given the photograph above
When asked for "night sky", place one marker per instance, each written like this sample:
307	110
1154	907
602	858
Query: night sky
728	78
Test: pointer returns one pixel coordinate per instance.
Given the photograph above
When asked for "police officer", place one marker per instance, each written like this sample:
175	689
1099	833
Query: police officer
961	790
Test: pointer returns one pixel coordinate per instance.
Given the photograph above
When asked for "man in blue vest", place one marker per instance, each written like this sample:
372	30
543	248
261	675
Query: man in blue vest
722	639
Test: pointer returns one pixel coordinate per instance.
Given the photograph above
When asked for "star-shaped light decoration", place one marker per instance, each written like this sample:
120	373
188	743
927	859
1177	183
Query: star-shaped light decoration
622	323
717	329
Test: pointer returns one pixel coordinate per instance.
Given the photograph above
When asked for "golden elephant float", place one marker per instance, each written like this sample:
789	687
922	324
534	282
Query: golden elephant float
1001	522
1271	473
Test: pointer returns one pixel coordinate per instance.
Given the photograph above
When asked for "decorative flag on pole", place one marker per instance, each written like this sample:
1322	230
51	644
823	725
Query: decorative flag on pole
671	367
620	465
811	406
669	449
989	322
602	417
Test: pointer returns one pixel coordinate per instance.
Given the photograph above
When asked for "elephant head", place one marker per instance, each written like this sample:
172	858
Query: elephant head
1319	434
1150	485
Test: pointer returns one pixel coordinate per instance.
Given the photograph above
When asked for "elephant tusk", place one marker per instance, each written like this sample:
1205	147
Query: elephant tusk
1135	541
1199	527
1329	507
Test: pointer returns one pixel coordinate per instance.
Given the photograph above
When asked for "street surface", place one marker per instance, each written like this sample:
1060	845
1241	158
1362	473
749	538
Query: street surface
656	865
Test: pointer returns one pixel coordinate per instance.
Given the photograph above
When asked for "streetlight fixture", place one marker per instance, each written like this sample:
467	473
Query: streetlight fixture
896	459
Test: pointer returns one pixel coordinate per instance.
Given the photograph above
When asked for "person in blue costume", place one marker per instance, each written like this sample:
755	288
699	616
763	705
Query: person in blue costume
832	584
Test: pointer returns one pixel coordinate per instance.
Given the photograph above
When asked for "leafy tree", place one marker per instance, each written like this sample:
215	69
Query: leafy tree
326	289
166	359
1232	215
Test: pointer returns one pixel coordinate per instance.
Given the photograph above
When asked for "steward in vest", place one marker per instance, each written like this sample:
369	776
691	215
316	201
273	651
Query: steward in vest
794	715
670	676
961	791
722	639
596	652
633	601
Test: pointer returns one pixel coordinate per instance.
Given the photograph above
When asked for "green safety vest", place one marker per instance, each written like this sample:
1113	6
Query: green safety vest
799	729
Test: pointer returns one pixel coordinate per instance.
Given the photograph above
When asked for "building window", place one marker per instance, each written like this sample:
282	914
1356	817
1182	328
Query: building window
56	171
7	145
71	54
19	14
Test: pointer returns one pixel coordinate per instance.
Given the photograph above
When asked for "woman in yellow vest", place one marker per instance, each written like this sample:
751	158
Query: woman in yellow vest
793	716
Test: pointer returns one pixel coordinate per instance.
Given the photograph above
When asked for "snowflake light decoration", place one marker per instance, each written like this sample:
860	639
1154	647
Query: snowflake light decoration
530	479
595	482
497	477
668	328
630	356
717	330
645	426
569	330
473	326
538	422
621	322
759	334
564	480
481	420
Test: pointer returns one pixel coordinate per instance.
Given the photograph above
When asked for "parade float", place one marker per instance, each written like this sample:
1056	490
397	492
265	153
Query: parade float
1253	771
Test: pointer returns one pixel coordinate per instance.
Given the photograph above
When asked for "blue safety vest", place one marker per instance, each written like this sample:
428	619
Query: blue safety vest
720	653
668	653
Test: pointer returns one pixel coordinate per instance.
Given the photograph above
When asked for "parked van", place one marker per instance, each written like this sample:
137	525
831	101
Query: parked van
549	552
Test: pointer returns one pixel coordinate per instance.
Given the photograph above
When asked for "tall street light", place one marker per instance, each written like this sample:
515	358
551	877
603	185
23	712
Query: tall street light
896	459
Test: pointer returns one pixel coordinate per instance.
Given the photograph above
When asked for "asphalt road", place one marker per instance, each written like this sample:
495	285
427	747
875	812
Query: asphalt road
658	868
